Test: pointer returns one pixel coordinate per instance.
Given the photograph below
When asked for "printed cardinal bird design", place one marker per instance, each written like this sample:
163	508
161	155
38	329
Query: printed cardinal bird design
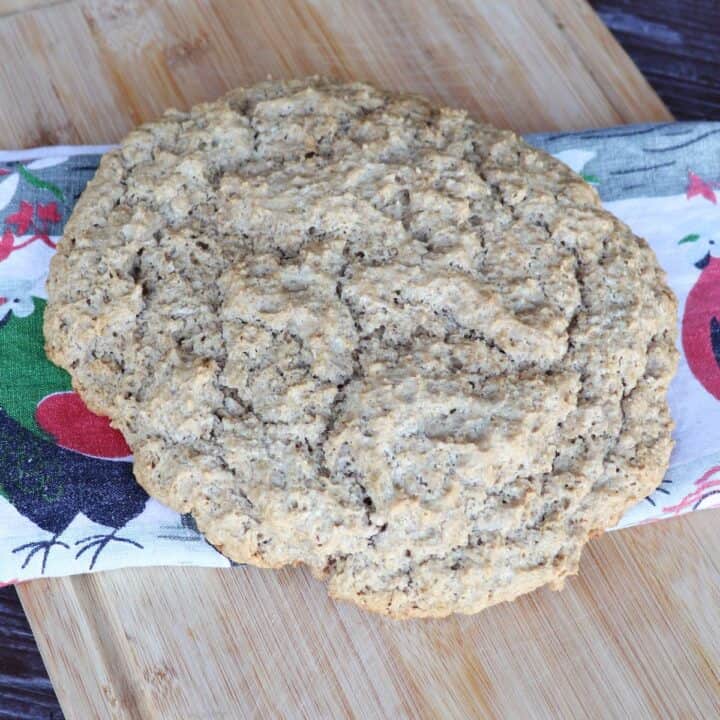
701	326
58	460
77	457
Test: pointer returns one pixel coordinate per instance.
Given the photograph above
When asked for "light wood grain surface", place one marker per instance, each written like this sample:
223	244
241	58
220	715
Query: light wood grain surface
634	636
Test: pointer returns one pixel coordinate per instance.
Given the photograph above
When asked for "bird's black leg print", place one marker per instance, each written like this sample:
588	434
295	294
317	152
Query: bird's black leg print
35	547
99	542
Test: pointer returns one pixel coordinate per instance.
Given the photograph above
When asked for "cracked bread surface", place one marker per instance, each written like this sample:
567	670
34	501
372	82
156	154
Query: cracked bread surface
346	328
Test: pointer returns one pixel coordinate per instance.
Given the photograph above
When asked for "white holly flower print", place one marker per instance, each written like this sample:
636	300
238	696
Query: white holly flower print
16	297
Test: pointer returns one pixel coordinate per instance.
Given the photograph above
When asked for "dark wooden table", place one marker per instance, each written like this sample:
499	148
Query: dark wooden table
673	42
675	45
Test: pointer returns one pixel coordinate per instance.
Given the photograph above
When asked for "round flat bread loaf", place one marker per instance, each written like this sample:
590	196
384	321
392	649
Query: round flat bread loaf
345	328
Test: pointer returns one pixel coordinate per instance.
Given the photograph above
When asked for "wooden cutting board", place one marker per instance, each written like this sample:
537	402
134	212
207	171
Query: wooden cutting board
636	635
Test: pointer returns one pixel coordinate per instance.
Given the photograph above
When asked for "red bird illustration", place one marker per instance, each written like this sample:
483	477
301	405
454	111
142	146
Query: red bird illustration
701	326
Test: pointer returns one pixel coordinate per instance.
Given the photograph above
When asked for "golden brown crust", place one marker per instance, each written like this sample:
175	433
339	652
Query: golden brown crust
345	328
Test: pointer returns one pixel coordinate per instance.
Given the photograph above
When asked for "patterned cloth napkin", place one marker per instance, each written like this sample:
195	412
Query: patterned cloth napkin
68	501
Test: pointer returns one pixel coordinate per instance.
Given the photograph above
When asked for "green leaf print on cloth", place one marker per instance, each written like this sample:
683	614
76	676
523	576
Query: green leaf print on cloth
28	376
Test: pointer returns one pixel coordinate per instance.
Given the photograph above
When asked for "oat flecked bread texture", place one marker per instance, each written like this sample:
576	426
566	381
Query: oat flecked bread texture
346	328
